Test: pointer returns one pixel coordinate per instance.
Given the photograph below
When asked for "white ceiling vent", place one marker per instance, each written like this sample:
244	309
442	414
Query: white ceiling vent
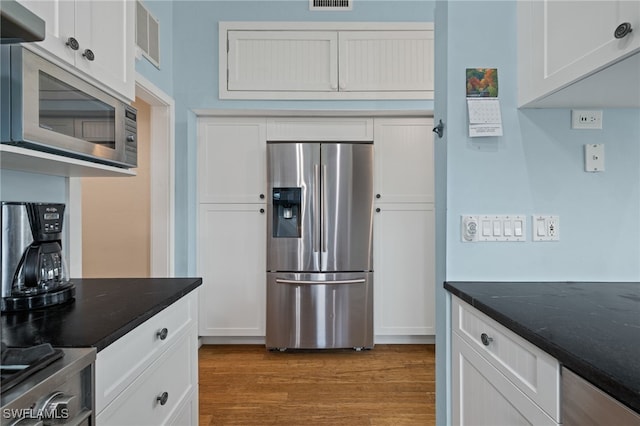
330	5
148	34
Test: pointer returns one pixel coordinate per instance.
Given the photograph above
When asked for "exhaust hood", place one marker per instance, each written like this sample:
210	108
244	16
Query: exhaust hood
18	24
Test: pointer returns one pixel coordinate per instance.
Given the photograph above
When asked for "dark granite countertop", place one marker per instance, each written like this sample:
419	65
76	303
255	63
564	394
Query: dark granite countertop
103	310
592	329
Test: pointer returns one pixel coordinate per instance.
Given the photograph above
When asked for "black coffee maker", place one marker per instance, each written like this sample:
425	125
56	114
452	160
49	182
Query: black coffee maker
34	271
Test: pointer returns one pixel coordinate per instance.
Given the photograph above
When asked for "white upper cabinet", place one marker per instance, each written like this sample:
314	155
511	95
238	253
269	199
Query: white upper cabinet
232	160
283	60
579	53
326	61
94	37
404	160
386	61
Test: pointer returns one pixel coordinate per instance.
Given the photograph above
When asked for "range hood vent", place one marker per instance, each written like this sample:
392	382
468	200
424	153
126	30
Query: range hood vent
18	24
332	5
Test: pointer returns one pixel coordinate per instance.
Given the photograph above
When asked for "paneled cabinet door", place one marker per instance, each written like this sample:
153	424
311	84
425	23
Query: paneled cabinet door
561	42
404	265
379	61
104	32
404	162
232	264
232	158
481	395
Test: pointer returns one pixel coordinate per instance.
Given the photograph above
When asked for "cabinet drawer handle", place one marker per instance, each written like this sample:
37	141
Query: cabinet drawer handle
88	54
378	210
486	339
162	399
261	210
162	334
378	195
262	196
72	43
622	30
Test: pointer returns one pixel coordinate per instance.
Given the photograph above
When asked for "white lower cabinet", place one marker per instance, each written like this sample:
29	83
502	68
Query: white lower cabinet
403	262
150	375
498	378
232	264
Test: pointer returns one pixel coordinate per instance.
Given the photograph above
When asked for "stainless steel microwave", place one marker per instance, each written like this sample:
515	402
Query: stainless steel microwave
47	108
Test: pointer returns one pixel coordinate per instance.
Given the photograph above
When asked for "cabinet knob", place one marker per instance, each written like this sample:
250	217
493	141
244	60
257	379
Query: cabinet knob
486	339
162	334
88	54
261	210
622	30
72	43
262	196
378	195
163	398
378	210
131	138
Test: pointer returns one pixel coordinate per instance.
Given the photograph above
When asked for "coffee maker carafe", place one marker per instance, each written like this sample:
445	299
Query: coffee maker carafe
34	271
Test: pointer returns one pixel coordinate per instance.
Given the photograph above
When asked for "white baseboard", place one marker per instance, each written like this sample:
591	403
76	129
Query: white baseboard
258	340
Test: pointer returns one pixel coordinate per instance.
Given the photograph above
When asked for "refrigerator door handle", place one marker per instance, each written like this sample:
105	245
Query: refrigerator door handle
323	218
284	281
316	202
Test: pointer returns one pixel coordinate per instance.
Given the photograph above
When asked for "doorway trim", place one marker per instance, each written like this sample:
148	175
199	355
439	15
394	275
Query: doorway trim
162	190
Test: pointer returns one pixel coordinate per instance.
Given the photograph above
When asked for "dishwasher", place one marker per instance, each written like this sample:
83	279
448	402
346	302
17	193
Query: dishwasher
584	404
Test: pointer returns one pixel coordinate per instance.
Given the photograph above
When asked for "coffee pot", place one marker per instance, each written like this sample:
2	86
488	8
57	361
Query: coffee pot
34	271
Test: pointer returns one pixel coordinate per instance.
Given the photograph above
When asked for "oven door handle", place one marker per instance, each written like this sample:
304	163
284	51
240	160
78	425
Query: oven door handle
310	282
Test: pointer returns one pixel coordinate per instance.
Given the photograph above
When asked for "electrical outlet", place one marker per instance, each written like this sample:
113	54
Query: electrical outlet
586	119
546	228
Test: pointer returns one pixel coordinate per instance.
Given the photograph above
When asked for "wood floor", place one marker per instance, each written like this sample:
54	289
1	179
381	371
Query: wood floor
247	385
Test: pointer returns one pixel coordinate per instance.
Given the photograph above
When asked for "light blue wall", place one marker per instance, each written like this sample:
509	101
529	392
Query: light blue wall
537	167
195	54
21	186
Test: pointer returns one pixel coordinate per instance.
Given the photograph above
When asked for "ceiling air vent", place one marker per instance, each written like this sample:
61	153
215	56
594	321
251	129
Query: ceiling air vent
147	34
330	5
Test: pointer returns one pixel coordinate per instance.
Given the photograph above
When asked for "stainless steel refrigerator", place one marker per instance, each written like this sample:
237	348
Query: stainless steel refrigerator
319	245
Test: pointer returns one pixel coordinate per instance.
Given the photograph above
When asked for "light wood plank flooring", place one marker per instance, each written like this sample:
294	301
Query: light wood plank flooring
247	385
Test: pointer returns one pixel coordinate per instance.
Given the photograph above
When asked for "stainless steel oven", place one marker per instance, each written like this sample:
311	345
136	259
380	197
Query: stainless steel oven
47	108
42	385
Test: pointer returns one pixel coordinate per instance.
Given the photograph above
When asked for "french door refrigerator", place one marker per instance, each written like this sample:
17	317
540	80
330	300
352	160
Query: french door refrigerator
319	245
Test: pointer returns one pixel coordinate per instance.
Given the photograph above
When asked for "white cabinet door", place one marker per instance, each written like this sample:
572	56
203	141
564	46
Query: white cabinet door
59	17
404	265
106	28
232	160
283	60
482	396
561	42
404	162
232	264
386	61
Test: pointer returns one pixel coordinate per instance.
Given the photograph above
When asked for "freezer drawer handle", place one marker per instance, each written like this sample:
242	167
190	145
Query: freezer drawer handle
356	281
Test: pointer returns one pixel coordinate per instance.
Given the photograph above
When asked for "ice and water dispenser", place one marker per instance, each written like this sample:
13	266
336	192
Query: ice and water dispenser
286	212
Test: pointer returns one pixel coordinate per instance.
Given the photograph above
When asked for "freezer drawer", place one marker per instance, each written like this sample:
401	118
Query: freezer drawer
319	310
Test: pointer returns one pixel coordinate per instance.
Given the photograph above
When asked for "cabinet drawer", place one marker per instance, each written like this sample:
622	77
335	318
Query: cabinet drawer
173	375
118	365
533	371
481	395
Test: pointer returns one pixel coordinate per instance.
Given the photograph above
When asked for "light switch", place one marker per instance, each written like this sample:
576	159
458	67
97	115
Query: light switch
517	228
541	228
507	228
497	228
486	228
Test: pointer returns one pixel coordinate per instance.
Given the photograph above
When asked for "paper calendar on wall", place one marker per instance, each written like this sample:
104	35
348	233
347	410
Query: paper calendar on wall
483	105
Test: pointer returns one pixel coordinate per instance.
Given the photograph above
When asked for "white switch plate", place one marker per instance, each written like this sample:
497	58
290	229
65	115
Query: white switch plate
594	157
493	228
586	119
545	227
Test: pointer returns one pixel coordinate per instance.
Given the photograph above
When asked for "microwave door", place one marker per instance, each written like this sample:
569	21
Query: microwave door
293	230
347	207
